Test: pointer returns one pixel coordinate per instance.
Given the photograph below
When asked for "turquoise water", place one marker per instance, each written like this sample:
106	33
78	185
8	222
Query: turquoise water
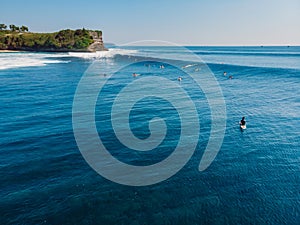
254	179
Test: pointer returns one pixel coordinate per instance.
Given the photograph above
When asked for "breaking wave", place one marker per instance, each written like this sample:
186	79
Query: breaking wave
9	60
25	59
111	53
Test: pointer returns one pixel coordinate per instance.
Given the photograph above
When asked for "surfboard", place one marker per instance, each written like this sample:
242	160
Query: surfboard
243	127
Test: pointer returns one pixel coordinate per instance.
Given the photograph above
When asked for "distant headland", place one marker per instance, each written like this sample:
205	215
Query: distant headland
20	39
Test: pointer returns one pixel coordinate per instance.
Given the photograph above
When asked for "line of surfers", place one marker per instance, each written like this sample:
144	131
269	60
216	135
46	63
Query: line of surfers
180	78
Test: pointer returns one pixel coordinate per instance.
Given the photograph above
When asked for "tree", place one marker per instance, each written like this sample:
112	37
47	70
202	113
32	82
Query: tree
24	28
3	26
12	27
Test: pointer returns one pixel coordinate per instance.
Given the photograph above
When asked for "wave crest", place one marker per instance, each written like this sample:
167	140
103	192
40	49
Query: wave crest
25	59
111	53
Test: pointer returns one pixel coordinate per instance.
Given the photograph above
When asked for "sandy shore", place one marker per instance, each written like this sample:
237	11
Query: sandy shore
9	51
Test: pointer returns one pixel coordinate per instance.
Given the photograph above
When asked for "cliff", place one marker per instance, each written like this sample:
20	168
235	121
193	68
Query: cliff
80	40
97	45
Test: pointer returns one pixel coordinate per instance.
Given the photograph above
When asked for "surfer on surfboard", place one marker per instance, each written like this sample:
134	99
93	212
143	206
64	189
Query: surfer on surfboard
243	123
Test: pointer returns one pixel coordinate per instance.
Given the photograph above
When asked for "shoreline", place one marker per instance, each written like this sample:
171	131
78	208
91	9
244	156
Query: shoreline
10	51
52	50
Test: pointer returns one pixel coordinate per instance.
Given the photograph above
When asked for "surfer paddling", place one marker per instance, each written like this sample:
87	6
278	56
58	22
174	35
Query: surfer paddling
243	123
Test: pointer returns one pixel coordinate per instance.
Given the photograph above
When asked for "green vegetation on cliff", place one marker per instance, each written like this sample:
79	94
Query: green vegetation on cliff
18	39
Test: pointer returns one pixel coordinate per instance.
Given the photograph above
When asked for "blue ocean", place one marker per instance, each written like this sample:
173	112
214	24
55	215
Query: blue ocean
253	178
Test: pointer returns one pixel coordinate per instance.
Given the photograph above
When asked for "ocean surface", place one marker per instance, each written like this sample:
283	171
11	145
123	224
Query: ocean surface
254	178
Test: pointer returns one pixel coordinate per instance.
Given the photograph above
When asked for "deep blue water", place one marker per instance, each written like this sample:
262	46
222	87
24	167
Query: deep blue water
254	179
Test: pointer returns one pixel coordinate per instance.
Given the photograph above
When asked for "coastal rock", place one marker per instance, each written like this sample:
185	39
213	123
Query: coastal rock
80	40
98	42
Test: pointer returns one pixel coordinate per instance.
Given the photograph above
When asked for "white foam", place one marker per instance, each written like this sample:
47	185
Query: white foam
189	65
103	54
23	59
10	60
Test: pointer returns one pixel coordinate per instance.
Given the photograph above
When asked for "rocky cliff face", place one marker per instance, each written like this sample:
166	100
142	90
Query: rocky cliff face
98	42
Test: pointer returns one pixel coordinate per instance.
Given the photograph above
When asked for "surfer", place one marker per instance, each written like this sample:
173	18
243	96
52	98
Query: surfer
224	73
179	79
243	123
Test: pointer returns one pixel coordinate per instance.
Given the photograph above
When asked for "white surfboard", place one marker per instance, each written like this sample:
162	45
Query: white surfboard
243	127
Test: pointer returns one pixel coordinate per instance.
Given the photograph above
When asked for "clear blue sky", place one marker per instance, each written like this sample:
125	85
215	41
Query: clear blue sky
187	22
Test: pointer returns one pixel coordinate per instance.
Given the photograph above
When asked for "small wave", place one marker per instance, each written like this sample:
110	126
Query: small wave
189	65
